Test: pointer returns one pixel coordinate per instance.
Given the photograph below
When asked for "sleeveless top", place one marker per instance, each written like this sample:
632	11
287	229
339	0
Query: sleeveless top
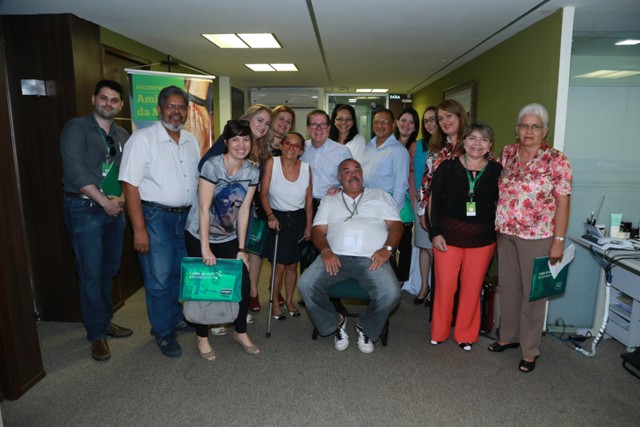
285	195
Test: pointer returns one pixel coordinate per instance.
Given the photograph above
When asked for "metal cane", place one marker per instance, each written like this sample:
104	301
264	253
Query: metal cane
273	281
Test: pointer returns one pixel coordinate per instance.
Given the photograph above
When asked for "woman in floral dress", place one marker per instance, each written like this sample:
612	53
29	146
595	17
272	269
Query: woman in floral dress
531	220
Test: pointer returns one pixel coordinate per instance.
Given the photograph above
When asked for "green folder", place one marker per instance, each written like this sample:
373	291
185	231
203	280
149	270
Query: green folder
543	284
219	282
110	185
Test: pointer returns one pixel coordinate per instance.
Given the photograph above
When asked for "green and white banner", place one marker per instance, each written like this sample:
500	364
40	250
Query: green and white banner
145	87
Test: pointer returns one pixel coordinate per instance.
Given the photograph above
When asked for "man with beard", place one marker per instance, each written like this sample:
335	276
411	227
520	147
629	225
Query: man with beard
159	175
90	147
356	230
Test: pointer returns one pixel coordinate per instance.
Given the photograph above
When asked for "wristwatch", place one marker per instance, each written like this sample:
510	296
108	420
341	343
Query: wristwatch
389	248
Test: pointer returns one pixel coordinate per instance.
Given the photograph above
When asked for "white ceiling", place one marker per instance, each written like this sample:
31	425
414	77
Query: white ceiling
338	45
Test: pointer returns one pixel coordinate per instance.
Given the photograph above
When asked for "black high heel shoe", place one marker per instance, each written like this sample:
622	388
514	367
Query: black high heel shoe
496	347
425	300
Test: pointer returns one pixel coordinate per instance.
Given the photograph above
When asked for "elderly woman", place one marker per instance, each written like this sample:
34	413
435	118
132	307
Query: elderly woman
462	209
531	220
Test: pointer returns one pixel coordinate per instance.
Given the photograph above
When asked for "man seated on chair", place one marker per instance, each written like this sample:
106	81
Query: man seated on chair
356	230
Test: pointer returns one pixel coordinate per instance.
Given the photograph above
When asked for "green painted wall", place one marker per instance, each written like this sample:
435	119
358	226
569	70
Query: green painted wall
518	71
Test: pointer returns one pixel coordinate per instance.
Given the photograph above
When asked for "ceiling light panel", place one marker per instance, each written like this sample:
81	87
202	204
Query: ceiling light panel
260	67
284	67
260	40
608	74
628	42
226	41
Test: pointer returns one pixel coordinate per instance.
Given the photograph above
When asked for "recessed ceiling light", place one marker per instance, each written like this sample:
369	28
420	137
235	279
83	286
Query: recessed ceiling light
608	74
260	40
628	42
620	74
226	41
380	90
353	100
272	67
243	41
363	90
260	67
284	67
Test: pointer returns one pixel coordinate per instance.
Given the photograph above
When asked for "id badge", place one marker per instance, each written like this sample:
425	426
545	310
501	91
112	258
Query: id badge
471	208
105	168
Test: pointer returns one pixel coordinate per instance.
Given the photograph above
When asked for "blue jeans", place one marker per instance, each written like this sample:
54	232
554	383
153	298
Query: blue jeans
381	284
161	268
96	240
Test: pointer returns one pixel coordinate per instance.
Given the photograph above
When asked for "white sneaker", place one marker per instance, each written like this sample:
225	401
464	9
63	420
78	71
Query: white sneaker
218	331
249	318
365	344
340	337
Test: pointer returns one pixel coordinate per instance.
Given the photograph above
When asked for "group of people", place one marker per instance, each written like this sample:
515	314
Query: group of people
353	201
471	203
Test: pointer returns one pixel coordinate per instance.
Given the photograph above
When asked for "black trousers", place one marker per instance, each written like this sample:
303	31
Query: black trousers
403	266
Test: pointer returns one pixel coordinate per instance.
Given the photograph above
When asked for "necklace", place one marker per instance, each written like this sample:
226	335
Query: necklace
355	205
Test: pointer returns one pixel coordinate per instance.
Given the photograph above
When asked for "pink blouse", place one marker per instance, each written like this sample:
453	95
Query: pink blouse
527	203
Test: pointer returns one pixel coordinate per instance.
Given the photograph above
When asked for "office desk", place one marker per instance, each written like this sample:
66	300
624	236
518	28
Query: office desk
624	305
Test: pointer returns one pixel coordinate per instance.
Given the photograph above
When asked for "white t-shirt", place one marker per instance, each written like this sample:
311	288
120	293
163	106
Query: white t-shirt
164	172
357	227
286	195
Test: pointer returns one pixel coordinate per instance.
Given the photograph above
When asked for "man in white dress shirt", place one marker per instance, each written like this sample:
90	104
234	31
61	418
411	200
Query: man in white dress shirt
159	174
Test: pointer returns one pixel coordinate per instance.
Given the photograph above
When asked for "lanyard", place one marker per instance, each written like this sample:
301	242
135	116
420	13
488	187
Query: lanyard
355	205
108	148
472	181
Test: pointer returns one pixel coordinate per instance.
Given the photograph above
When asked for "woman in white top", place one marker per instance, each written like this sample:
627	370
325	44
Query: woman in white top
344	130
286	198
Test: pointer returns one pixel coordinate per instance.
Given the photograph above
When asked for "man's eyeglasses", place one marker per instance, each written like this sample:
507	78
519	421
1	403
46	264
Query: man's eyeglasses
112	146
534	127
319	125
382	122
173	107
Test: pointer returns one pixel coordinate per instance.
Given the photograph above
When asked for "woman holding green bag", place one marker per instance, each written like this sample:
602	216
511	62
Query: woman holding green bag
225	191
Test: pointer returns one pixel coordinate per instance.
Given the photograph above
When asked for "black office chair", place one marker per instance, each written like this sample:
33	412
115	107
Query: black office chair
350	289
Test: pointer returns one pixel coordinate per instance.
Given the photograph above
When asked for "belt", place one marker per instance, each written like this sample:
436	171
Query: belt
76	195
181	209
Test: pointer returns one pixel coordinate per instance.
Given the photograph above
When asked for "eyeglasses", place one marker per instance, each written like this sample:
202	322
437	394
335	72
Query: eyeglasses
112	145
293	146
319	125
344	119
533	127
430	120
173	107
382	122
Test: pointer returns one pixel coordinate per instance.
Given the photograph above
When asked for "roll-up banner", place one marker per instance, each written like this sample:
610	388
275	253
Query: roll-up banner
145	87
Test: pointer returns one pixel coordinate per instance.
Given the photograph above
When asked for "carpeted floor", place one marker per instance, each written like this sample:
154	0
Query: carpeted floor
298	381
